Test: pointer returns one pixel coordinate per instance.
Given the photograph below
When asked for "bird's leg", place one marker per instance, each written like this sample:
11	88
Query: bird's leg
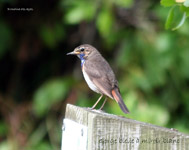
97	101
103	103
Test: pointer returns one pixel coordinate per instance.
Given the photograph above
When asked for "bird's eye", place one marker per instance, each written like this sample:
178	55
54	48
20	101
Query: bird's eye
82	49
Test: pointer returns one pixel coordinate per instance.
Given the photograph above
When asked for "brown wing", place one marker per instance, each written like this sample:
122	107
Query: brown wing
101	74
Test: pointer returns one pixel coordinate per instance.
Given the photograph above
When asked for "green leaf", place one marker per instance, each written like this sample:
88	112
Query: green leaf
47	36
37	135
5	38
181	22
124	3
184	9
50	93
167	3
41	145
51	35
82	11
105	22
170	18
3	128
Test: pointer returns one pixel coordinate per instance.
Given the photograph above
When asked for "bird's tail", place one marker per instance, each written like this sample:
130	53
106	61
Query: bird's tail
116	95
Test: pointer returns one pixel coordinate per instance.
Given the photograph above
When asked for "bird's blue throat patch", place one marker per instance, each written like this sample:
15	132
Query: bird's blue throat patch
82	59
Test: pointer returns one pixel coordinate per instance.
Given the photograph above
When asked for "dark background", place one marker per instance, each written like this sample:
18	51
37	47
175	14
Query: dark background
37	79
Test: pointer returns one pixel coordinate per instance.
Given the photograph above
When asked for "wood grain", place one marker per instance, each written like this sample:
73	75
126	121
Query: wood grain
111	132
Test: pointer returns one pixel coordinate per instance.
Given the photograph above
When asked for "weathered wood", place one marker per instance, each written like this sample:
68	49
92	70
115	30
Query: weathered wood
111	132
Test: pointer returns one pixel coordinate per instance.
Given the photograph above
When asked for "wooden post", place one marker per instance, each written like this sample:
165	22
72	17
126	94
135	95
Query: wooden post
85	129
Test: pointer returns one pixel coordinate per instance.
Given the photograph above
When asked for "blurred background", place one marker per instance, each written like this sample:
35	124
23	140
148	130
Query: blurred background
37	79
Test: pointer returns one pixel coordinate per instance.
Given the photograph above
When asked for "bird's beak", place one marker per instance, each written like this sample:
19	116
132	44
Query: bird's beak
72	53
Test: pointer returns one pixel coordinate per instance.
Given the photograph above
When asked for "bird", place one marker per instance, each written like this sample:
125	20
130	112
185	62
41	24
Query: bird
99	75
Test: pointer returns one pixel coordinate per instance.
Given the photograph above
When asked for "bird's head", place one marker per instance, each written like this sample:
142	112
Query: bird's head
82	51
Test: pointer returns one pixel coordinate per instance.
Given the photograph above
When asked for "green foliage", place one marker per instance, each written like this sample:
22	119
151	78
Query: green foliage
79	12
169	18
105	22
123	3
52	35
184	9
50	93
3	128
181	22
5	38
168	3
42	145
172	19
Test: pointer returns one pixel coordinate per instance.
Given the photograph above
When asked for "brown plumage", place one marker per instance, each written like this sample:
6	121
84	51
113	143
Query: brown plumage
98	74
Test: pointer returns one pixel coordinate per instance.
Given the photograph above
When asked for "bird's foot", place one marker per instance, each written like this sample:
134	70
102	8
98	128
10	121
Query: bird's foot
100	110
93	109
90	108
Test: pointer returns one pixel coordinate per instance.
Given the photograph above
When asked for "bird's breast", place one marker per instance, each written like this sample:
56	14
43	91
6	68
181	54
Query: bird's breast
90	83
